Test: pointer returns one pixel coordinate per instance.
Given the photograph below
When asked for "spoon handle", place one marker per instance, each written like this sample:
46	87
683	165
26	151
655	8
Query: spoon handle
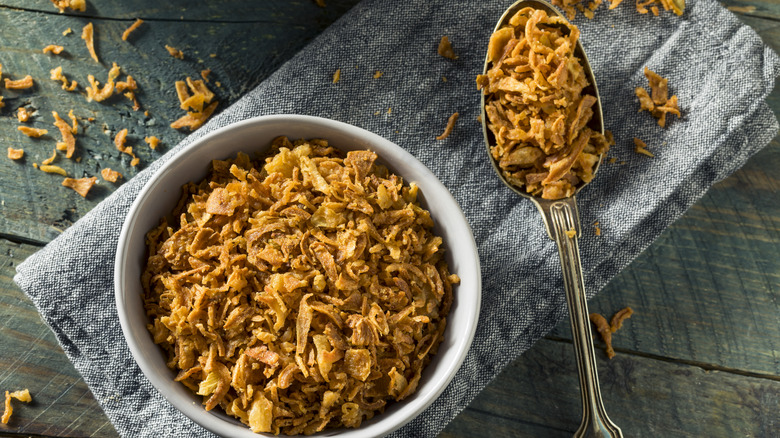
564	227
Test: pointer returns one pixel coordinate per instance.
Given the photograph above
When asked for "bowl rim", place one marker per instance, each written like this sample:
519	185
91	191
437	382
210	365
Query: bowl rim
215	424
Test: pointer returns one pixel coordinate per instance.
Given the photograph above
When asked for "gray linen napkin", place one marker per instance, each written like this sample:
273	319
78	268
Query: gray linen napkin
717	66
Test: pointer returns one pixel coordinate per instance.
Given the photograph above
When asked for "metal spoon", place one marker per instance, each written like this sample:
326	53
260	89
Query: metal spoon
561	217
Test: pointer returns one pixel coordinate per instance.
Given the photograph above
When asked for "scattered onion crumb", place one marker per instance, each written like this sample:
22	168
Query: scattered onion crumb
445	48
130	29
22	114
19	84
2	105
110	175
81	185
68	142
119	141
176	53
129	87
67	31
192	96
378	74
15	154
606	330
88	35
53	169
51	48
205	74
76	5
450	126
56	75
658	102
597	229
444	79
337	76
22	396
152	141
194	121
98	94
74	128
640	147
612	160
571	234
51	159
32	132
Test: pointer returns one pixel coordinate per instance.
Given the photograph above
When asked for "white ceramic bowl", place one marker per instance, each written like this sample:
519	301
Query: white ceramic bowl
161	193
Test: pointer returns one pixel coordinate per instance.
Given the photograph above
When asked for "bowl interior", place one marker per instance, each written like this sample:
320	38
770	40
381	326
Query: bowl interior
251	136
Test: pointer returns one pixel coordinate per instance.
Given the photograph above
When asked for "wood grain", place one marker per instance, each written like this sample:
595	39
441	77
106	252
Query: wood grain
245	54
30	357
537	396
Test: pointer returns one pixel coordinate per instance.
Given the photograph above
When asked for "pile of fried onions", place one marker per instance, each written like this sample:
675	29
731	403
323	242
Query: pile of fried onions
536	108
301	294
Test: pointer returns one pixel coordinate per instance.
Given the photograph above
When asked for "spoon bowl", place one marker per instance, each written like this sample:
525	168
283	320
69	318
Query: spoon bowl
561	220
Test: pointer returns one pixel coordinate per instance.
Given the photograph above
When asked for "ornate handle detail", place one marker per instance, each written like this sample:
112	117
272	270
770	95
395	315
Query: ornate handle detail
562	221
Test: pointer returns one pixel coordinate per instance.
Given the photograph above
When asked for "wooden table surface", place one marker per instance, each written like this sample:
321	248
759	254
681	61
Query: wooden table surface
700	357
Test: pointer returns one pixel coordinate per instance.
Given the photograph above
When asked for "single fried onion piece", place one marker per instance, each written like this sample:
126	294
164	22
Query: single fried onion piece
152	141
536	109
22	395
640	147
110	175
32	132
19	84
81	185
56	75
658	102
51	48
176	53
23	114
301	292
15	154
617	319
76	5
450	126
88	35
445	48
130	29
68	143
96	92
119	141
194	121
604	331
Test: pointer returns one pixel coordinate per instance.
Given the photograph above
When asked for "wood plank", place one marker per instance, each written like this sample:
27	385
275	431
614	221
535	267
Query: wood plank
708	290
34	206
31	358
538	395
291	12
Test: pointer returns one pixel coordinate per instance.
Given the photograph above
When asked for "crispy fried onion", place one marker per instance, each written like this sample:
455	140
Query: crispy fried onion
68	143
535	106
80	185
658	102
19	84
193	95
22	395
57	75
301	294
96	92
